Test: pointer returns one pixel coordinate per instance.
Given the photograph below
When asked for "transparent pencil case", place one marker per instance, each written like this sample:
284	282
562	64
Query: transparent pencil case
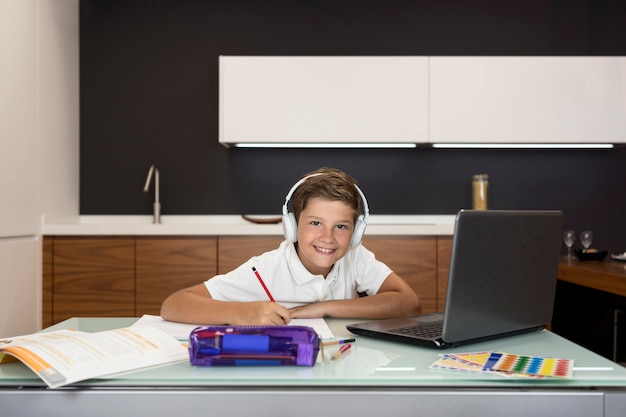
253	346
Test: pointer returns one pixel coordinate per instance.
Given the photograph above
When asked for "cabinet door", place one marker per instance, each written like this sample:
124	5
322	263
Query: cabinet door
527	99
93	277
412	258
323	99
165	265
235	250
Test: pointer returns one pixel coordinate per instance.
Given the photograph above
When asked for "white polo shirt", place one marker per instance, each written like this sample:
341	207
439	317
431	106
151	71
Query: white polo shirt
291	284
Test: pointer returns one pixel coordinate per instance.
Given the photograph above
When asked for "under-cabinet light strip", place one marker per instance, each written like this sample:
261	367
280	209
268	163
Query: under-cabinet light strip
522	145
434	145
325	145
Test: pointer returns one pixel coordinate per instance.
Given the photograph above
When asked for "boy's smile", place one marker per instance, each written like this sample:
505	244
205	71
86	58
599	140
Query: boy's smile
325	229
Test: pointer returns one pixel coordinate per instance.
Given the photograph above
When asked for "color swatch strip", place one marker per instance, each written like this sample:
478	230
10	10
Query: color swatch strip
535	365
506	364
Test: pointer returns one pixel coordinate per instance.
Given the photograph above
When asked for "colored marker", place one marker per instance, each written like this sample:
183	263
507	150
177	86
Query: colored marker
269	294
338	342
343	350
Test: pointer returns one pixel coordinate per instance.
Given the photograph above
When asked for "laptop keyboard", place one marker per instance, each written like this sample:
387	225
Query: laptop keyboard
426	330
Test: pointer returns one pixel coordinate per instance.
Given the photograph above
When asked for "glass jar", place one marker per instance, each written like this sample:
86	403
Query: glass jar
480	183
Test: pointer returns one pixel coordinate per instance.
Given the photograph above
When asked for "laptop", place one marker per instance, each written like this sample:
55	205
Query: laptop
502	281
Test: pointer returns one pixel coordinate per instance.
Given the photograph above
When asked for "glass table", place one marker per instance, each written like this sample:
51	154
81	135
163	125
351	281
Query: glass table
377	377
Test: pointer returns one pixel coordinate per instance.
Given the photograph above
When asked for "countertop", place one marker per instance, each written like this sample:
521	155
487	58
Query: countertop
138	225
607	275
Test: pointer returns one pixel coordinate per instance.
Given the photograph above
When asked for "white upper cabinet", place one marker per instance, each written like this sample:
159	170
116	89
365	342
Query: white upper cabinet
280	99
528	99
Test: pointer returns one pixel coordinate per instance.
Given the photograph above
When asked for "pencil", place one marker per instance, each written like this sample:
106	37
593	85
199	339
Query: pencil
338	342
269	294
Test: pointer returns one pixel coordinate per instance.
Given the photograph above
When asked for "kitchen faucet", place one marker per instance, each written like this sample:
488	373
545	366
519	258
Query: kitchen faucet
156	217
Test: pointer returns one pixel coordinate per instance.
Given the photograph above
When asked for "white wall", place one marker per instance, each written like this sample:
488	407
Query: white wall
38	144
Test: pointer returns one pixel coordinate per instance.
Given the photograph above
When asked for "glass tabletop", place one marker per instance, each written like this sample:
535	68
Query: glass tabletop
370	363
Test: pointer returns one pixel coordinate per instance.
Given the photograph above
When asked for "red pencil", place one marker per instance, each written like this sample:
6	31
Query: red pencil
269	294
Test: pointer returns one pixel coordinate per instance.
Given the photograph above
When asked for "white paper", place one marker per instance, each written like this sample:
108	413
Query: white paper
181	330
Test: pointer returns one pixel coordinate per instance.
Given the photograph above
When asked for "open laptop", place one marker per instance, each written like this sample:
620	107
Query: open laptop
502	281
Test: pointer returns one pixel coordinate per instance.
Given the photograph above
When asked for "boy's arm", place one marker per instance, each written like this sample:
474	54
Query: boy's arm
395	298
196	306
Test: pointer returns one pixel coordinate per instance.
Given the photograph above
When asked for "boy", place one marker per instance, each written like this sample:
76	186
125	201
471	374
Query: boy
316	272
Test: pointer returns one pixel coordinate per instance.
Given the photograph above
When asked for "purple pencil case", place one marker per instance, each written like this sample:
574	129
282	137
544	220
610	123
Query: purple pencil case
253	346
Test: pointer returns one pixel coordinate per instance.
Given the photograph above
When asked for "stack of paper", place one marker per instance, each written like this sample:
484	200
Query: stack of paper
507	364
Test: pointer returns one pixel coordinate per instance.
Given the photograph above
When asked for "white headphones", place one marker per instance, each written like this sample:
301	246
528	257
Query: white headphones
290	225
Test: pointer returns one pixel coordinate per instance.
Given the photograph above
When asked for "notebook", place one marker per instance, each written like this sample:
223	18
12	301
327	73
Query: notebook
502	281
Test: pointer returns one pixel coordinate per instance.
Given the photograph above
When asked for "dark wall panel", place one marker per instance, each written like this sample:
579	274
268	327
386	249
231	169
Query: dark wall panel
149	86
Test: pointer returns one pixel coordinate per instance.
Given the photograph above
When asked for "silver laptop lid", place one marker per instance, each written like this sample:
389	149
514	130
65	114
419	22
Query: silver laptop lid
502	273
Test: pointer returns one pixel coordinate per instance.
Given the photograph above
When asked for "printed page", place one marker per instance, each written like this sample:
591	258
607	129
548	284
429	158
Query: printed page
66	356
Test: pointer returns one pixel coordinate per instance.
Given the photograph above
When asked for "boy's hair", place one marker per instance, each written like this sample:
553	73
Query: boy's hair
330	184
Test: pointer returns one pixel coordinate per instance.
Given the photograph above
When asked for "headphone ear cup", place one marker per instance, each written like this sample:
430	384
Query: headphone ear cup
359	230
290	227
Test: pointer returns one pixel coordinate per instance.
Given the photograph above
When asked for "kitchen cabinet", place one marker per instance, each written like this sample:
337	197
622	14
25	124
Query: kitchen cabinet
412	258
92	277
421	99
235	250
527	99
128	276
166	264
120	276
323	99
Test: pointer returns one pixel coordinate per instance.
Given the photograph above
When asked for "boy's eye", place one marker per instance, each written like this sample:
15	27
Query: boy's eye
315	223
342	226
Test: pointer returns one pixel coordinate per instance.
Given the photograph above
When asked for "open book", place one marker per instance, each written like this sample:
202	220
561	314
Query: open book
65	356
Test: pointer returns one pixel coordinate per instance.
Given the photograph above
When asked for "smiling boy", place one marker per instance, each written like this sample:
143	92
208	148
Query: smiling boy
316	272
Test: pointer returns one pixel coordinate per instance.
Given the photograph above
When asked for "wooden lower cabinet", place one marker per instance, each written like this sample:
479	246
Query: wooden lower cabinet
119	276
165	265
131	276
235	250
92	277
412	258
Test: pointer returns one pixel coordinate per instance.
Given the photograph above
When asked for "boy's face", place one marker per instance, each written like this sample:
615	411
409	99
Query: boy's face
325	229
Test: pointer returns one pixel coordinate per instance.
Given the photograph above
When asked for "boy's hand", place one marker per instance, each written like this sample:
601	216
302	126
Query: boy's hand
262	313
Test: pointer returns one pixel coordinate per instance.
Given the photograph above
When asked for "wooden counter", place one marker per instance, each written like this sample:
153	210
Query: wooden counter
609	275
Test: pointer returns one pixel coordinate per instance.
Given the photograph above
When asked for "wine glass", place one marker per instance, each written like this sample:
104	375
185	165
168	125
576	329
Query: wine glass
569	237
586	237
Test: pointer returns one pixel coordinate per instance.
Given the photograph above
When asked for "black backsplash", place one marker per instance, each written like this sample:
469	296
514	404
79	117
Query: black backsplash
149	95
